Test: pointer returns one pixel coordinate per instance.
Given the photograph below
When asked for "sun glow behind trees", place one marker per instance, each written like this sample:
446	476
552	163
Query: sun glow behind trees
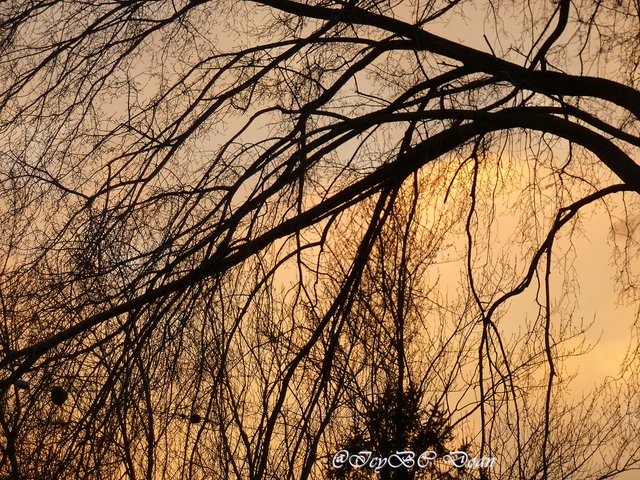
208	204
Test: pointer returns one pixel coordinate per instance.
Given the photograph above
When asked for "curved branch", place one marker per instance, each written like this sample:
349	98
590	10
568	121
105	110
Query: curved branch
385	176
548	83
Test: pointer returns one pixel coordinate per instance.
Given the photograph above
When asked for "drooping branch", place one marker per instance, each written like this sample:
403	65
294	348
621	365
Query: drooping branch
545	82
390	173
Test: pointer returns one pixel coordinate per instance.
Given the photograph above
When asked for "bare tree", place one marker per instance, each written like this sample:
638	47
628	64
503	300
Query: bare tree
397	372
176	178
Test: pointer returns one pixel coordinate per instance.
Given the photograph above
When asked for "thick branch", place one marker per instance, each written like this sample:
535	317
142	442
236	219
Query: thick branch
548	83
390	173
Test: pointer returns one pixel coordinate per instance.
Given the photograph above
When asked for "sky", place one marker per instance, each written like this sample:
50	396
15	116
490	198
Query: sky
588	256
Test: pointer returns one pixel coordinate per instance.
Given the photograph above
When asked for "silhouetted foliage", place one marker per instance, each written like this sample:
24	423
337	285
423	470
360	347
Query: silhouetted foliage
237	236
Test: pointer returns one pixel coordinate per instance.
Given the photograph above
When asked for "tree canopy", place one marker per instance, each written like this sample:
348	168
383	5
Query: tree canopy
239	236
